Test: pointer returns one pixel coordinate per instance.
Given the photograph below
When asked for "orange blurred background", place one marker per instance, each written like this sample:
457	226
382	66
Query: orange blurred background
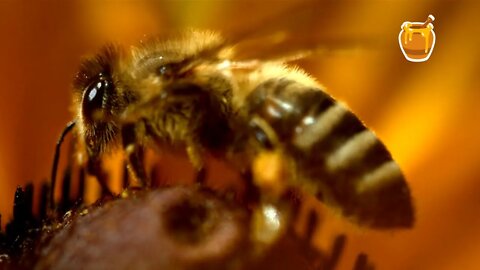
426	113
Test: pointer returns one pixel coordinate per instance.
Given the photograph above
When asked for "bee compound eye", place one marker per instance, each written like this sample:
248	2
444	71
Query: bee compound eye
94	95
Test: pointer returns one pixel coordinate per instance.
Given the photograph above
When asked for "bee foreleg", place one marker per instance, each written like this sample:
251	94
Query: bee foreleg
134	153
94	166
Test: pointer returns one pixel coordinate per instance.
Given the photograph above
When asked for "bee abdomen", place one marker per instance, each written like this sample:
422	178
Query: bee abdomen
345	163
354	169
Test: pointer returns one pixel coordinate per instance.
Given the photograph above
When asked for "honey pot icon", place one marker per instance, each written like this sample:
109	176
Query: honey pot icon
417	40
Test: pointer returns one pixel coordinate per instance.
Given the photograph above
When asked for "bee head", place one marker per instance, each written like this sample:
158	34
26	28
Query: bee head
159	82
99	97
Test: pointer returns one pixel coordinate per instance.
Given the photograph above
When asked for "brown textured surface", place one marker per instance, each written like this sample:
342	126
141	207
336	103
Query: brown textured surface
173	228
169	228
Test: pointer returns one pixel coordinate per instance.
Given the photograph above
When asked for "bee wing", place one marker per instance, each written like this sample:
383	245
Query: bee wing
286	46
297	32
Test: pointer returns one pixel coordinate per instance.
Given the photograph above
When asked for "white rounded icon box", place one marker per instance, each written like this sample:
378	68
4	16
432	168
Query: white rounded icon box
417	39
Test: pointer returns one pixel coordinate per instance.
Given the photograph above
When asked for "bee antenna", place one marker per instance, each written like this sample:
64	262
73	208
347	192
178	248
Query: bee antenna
56	157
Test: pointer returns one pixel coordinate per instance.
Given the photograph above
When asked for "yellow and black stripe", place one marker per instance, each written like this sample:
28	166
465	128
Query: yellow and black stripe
345	164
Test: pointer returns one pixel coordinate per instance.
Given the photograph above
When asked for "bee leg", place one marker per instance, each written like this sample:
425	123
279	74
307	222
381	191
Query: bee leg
134	153
269	222
273	216
270	172
252	194
94	167
194	154
135	161
201	176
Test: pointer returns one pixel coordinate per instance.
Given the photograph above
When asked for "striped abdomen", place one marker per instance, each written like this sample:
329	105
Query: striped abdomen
348	166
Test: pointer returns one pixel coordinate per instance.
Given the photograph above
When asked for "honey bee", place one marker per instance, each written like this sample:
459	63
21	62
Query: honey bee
188	91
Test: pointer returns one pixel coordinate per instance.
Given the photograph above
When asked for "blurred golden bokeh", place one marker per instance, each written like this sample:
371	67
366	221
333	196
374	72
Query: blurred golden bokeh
426	113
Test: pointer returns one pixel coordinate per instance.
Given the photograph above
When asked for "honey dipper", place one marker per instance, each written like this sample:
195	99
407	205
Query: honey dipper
430	19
